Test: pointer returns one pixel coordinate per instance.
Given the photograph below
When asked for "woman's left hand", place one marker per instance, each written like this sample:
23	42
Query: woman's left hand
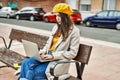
47	56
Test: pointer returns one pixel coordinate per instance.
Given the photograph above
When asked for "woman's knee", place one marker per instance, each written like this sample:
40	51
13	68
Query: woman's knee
28	61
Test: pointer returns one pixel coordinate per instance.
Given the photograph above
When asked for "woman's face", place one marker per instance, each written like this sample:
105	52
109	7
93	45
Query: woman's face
58	18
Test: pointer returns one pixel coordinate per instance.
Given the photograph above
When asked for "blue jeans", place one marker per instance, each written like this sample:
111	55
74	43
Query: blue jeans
32	69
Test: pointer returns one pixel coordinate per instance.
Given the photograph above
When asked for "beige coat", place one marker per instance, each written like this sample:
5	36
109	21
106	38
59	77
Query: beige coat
66	50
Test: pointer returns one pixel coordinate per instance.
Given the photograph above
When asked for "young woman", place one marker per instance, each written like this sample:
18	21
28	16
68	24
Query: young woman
63	44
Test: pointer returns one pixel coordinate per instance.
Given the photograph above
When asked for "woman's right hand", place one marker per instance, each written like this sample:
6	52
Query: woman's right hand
41	54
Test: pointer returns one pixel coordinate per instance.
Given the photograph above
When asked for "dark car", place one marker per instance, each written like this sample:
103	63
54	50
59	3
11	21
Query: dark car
107	18
75	16
30	13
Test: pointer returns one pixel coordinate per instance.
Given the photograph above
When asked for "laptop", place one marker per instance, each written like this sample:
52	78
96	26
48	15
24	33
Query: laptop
31	50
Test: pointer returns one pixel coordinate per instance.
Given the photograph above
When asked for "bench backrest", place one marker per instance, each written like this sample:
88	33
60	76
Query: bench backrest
19	35
83	53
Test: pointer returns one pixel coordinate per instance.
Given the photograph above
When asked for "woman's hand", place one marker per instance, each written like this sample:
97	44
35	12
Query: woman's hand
48	56
41	54
45	56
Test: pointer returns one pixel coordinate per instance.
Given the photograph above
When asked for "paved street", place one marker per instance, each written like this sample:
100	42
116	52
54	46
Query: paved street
103	65
97	33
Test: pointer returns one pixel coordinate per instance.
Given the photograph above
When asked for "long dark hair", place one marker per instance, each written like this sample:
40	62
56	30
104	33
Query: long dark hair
66	25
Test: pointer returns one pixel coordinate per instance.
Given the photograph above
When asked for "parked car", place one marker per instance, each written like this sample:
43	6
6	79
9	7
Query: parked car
75	16
107	18
8	12
30	13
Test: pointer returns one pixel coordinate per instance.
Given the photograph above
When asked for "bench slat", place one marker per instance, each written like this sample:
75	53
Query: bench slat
19	35
84	53
10	57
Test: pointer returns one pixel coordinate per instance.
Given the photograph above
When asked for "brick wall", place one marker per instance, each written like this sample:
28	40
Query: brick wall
47	5
4	2
118	4
96	5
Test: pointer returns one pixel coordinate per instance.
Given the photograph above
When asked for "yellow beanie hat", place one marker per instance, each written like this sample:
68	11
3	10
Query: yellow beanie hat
63	8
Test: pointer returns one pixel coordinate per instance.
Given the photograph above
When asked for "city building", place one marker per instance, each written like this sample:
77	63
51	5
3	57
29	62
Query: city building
90	7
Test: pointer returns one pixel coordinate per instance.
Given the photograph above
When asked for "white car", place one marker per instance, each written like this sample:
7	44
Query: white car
7	12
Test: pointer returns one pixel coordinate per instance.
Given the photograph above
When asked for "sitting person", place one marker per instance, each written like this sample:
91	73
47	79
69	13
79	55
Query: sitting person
63	44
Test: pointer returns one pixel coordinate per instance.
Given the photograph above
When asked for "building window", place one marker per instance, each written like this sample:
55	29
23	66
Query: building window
85	5
109	4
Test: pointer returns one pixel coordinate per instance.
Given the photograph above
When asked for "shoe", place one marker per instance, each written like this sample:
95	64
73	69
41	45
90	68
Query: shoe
17	72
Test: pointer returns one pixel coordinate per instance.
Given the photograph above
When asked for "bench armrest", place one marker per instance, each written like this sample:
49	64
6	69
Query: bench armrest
60	62
4	41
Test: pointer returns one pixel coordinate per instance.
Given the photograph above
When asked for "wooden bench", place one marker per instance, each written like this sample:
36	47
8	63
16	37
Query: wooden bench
10	57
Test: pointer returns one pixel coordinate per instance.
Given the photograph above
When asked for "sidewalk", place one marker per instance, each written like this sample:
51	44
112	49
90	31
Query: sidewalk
104	61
